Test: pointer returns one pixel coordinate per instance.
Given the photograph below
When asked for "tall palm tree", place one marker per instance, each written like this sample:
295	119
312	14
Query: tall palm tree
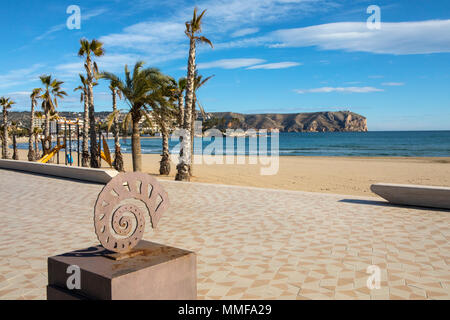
165	114
84	97
198	83
14	129
139	90
1	137
88	50
34	95
113	119
6	103
51	91
193	28
36	132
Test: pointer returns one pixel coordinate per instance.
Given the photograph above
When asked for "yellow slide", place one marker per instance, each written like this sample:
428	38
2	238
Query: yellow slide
52	153
106	154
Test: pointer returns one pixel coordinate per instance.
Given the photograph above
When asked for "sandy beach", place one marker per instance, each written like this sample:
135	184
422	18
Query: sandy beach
340	175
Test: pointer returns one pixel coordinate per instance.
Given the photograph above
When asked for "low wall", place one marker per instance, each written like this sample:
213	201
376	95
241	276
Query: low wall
79	173
414	195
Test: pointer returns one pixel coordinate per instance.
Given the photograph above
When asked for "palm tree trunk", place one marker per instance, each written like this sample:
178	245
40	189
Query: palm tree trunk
95	161
164	168
15	154
185	154
36	147
193	118
118	159
48	136
85	146
31	153
47	132
5	151
93	134
136	144
181	110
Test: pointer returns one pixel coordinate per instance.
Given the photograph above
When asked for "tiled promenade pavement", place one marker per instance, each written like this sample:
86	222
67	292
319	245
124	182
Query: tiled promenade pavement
251	243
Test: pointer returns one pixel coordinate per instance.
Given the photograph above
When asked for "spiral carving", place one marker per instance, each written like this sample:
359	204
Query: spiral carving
120	224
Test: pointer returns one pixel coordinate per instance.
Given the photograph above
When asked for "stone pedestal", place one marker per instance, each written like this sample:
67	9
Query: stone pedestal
157	272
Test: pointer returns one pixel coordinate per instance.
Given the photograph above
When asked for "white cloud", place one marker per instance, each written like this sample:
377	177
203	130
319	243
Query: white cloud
157	41
393	84
93	13
20	93
339	89
20	76
146	32
226	15
244	32
230	63
109	62
84	17
353	82
50	31
164	39
416	37
277	65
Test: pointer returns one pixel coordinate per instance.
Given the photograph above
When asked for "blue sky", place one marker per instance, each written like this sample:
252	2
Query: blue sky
282	56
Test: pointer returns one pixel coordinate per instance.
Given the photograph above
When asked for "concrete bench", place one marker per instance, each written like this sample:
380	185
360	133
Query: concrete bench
414	195
79	173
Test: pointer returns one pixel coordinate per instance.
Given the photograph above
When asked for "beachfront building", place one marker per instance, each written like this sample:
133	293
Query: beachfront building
153	127
61	124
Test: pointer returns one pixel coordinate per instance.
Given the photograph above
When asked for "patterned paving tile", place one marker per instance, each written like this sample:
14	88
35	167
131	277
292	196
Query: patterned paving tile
251	243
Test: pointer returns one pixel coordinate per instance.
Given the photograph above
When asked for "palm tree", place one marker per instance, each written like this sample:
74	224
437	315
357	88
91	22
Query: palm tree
51	92
84	97
14	130
6	103
198	83
114	119
34	95
139	90
36	132
165	114
193	28
88	50
1	137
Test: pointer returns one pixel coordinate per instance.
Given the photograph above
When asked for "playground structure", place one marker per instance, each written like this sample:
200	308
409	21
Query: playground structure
65	130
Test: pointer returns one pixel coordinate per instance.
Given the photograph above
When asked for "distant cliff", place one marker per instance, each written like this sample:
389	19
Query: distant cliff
294	122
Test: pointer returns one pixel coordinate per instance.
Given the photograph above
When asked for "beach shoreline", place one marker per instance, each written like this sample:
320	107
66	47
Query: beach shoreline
337	175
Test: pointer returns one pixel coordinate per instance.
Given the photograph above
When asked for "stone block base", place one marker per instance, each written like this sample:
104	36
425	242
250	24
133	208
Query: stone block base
159	273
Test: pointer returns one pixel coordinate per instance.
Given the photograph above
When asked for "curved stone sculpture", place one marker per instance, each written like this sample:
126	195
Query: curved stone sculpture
119	217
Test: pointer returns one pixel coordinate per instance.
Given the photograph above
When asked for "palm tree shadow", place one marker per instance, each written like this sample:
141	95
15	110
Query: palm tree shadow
387	204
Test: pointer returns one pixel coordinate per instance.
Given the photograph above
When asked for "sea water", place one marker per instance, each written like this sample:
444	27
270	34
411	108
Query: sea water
361	144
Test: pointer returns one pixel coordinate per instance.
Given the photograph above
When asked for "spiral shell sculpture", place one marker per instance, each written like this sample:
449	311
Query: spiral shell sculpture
119	217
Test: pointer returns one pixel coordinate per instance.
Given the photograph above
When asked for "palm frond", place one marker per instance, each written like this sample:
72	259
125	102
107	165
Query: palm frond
111	117
205	40
127	121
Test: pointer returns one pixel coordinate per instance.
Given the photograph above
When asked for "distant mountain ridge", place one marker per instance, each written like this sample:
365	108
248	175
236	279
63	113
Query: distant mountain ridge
290	122
294	122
